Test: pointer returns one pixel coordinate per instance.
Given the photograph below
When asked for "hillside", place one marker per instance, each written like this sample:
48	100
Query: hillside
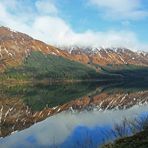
104	56
39	66
25	58
15	46
139	140
22	57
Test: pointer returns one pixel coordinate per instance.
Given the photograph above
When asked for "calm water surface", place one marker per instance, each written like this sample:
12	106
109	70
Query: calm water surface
67	115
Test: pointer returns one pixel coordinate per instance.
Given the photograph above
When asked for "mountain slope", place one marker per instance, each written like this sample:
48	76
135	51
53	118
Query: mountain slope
104	56
22	57
39	66
16	46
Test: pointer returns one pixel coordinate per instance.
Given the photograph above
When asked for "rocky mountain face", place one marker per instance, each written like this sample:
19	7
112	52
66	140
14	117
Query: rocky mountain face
104	56
16	46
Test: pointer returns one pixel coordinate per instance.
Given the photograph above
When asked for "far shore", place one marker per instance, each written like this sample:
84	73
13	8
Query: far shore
50	81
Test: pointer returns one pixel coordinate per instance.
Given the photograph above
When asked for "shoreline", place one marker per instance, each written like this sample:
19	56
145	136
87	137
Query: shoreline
47	81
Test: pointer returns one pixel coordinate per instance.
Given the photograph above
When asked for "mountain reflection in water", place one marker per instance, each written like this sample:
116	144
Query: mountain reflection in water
71	129
87	108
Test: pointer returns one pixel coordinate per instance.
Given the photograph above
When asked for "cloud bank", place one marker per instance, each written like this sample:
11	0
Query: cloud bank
41	20
121	9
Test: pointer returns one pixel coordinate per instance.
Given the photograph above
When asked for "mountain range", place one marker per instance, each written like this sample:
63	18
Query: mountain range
22	57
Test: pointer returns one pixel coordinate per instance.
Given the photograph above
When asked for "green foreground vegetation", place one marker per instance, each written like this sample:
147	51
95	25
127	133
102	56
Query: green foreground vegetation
38	66
130	134
139	140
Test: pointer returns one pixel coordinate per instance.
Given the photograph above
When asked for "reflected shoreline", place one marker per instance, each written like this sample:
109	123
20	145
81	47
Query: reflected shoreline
24	105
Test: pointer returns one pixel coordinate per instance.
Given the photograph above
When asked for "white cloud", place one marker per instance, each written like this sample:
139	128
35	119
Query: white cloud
121	9
46	7
54	30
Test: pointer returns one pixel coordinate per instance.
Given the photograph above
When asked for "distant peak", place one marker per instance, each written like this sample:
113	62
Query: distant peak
5	28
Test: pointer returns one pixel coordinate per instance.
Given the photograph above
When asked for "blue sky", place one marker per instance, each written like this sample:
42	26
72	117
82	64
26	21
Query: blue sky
107	23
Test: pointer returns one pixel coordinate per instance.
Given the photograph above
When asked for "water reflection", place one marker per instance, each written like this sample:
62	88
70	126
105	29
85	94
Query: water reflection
85	109
69	129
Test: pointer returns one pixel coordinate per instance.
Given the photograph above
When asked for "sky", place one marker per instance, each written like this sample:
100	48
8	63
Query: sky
95	23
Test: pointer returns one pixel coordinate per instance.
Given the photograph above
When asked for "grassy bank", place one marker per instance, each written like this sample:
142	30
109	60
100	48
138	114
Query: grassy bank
130	134
139	140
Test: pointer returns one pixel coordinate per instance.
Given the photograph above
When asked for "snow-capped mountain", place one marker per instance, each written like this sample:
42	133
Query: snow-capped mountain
16	46
105	56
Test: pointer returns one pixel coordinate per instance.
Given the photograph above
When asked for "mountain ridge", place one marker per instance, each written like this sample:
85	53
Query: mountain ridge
25	58
16	46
